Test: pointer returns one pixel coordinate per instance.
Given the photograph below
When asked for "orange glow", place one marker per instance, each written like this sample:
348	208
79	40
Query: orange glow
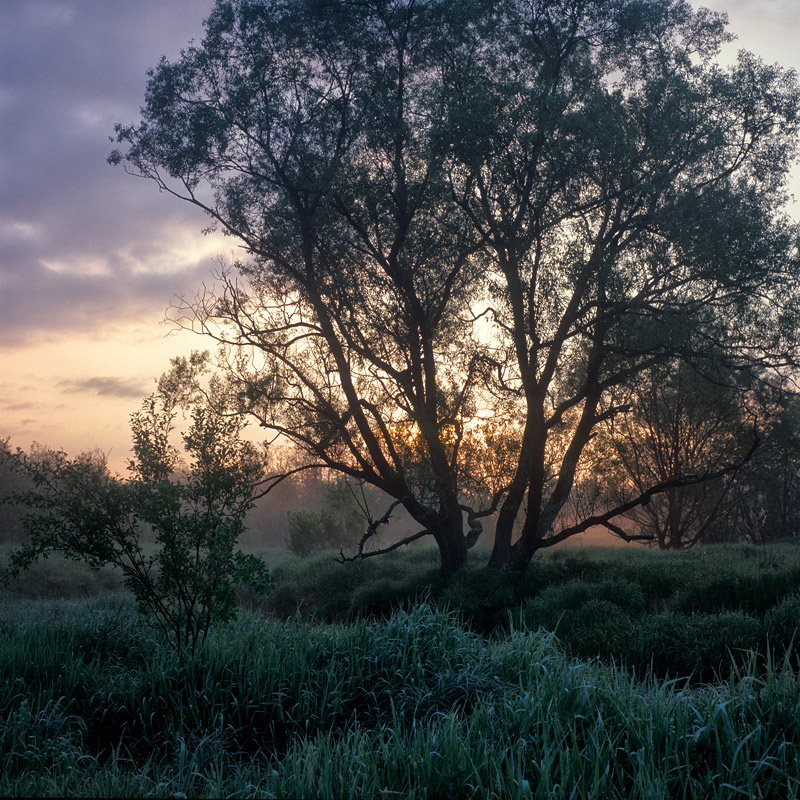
50	391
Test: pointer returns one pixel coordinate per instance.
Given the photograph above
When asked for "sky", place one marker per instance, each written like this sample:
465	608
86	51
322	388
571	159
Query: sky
90	258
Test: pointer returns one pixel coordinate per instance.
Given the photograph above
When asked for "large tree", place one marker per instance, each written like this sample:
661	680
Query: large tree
496	211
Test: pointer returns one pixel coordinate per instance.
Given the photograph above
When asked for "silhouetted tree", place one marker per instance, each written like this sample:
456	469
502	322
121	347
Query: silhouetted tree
193	507
764	502
450	208
11	530
688	430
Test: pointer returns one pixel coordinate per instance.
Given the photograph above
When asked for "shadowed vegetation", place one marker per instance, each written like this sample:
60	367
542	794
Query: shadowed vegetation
414	705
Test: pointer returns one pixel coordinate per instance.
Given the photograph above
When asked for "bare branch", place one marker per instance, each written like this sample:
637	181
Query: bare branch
360	556
645	497
372	530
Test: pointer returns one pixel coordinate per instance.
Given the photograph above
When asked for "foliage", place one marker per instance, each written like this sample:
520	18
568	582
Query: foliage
11	530
764	502
689	431
703	646
782	622
414	705
338	525
476	216
325	589
193	510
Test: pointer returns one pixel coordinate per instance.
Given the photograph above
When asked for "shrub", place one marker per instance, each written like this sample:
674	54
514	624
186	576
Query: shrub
338	526
782	623
338	592
596	628
194	510
703	646
548	608
752	588
485	598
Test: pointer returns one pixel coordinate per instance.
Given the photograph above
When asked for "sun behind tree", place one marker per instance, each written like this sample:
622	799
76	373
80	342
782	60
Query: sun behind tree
486	205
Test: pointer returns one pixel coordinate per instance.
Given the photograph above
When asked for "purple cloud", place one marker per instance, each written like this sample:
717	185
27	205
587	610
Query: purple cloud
104	386
82	243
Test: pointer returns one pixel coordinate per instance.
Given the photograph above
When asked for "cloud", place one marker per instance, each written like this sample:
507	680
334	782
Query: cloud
105	386
20	406
83	244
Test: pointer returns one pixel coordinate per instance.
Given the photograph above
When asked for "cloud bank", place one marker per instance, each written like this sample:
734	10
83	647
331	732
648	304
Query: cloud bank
81	243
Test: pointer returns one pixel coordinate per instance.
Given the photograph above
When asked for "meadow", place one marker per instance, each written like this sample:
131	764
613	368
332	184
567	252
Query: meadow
598	673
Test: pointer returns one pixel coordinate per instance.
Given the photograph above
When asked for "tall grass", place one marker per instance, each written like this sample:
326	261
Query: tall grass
415	705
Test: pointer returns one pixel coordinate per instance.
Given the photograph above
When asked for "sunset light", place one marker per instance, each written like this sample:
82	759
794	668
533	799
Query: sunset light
400	398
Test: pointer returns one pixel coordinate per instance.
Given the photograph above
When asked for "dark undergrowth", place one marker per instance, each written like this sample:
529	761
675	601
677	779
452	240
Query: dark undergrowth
599	673
679	614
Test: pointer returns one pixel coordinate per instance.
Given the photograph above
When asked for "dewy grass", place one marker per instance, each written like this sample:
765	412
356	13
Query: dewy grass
411	706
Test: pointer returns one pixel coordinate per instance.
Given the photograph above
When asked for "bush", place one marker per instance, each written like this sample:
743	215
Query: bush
194	510
703	646
590	619
782	623
485	598
338	526
597	628
549	607
752	588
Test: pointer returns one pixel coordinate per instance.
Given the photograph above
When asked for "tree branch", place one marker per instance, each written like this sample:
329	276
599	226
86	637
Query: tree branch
372	530
360	556
647	495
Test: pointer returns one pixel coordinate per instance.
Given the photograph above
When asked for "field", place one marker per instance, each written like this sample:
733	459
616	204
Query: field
599	673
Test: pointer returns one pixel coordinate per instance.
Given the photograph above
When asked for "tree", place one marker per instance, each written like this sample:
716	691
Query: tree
473	211
194	510
765	497
11	530
687	431
336	526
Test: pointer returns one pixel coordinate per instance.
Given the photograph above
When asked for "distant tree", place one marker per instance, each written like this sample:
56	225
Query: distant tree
195	510
454	212
764	502
11	530
339	524
691	433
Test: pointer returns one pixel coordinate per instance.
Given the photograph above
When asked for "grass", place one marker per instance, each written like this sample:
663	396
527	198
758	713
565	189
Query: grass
410	706
599	673
678	614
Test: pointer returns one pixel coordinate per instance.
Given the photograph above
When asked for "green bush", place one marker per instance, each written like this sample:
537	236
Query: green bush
486	599
547	608
753	588
659	577
782	623
703	646
338	526
331	591
596	628
194	510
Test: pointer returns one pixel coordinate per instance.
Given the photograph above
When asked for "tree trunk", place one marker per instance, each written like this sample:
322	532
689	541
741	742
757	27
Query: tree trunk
530	469
452	545
505	528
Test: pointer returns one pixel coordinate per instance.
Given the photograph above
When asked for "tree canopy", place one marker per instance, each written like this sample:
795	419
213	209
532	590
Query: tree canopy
467	227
